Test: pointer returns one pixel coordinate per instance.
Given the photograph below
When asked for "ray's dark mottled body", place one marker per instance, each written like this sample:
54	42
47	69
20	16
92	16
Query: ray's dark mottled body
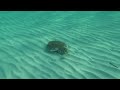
57	47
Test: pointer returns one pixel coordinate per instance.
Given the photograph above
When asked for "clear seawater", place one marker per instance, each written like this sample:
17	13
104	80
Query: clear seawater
92	37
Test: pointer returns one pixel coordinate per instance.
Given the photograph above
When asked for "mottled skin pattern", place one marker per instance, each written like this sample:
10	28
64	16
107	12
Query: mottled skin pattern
57	47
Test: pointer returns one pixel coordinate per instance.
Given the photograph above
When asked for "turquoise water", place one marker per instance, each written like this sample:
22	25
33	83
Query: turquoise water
92	37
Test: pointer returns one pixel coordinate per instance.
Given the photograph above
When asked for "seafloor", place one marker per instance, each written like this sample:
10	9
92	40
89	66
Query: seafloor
92	37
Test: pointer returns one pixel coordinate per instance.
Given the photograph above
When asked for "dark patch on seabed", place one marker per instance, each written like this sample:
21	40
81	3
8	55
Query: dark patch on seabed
57	47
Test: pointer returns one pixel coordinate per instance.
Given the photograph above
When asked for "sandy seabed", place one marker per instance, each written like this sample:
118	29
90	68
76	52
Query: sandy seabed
93	40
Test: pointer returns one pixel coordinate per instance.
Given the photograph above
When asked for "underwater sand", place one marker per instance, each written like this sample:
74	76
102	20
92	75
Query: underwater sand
93	40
